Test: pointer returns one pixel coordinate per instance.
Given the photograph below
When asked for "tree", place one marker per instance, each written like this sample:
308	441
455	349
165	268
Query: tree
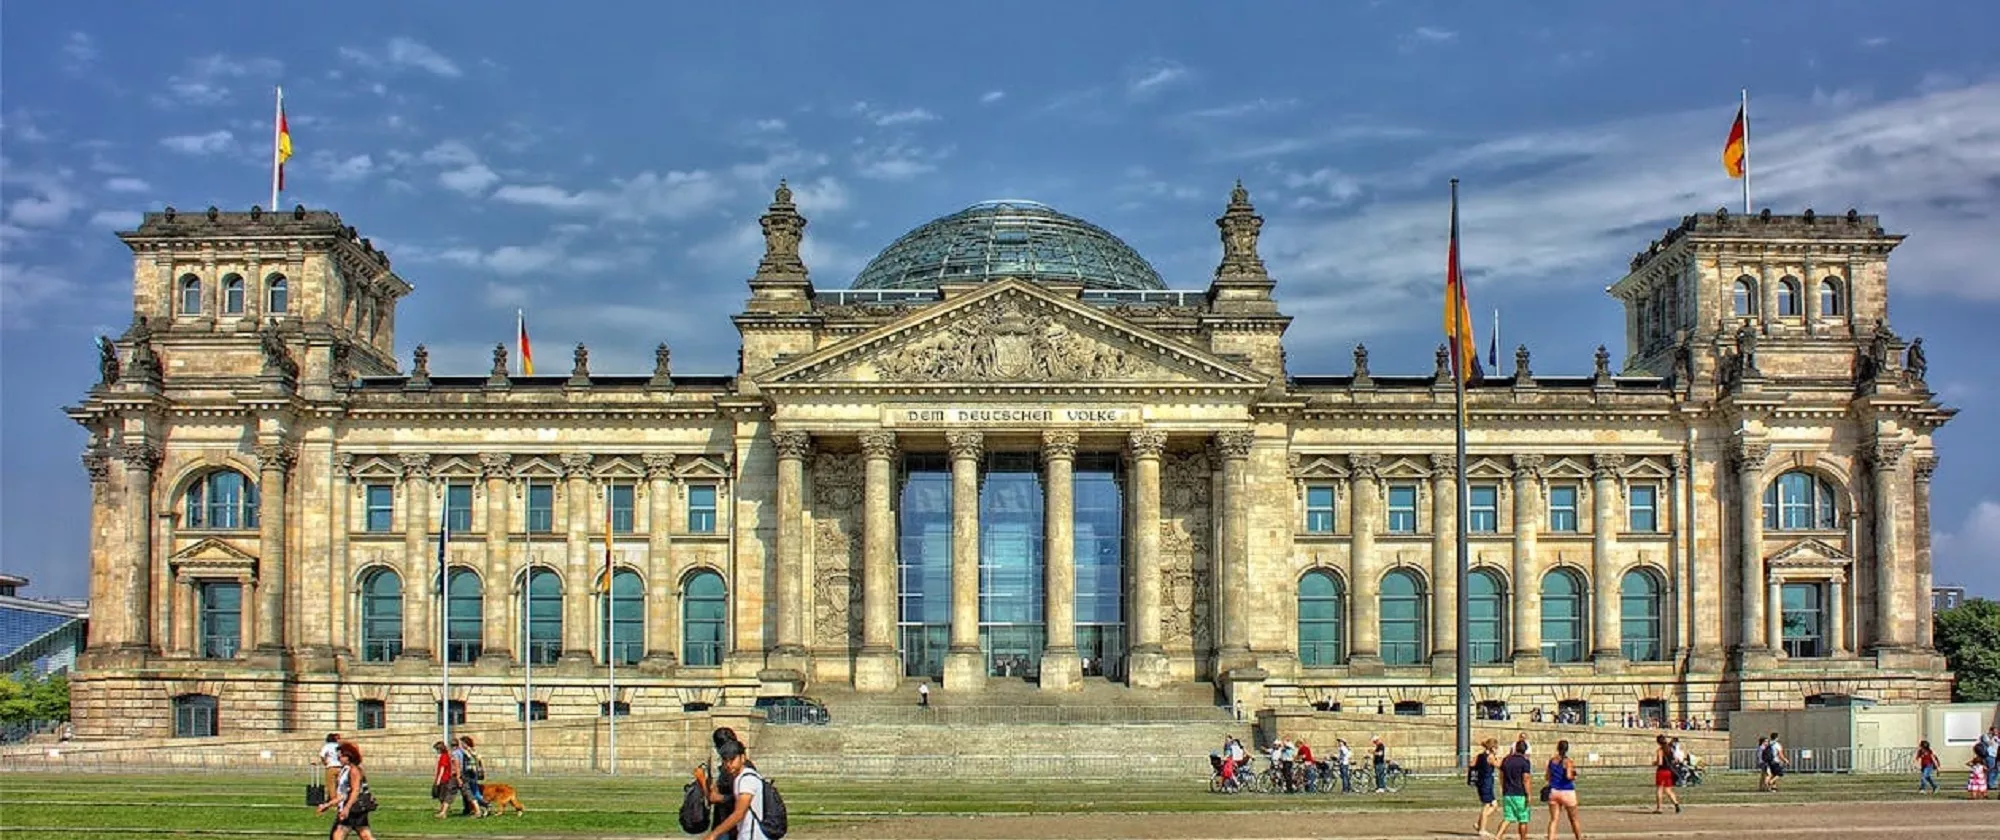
25	698
1969	637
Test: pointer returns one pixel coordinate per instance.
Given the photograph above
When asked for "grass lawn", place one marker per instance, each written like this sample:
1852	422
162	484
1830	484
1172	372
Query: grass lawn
199	804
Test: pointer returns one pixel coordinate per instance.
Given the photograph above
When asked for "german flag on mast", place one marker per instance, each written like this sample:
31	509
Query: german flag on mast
521	339
1735	151
1457	314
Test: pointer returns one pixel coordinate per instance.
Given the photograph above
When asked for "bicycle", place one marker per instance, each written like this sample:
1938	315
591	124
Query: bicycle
1393	779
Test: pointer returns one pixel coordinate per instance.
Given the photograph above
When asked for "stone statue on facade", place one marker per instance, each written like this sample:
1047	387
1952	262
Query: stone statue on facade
783	229
1603	359
1361	376
1523	374
1881	344
1240	226
499	360
107	362
1913	359
663	367
1746	352
277	360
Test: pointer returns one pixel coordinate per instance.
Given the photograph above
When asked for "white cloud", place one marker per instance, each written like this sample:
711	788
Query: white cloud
116	219
26	289
1434	35
346	170
823	195
213	143
772	124
404	53
679	194
897	161
1323	187
50	200
1969	555
472	179
79	52
886	118
1156	77
127	184
992	96
558	253
1874	42
209	80
1239	110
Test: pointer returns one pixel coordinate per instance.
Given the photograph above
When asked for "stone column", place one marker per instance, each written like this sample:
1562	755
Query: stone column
1837	615
135	574
1921	471
1366	649
1605	608
1527	617
1444	564
274	465
419	557
877	668
1061	669
494	582
964	667
1146	661
340	566
1774	614
1750	459
1895	604
662	613
1233	560
789	584
579	620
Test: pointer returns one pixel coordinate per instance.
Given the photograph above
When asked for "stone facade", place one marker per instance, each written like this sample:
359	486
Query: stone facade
262	347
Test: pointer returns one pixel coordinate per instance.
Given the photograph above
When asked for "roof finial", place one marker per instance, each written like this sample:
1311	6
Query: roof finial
1239	195
783	194
783	228
1240	225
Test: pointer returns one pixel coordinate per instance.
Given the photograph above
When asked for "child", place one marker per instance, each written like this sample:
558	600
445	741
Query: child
1975	781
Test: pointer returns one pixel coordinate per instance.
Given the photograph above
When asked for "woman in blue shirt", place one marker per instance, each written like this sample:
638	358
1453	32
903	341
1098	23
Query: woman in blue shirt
1562	792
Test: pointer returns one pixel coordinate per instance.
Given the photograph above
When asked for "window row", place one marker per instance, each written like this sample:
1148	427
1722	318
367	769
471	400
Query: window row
1642	508
379	507
1791	302
1404	609
192	296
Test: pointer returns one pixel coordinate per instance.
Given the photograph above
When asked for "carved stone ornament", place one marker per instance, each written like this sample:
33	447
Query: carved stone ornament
792	444
837	484
1240	226
1886	454
1527	467
495	464
1186	575
499	361
663	367
1363	465
964	444
1059	444
1444	466
1923	467
1603	359
1750	457
415	464
783	229
97	463
1523	375
1606	464
139	456
1234	445
1147	443
1011	342
1443	372
1914	361
878	444
276	455
576	464
420	366
1746	352
343	464
277	360
1361	376
658	464
579	372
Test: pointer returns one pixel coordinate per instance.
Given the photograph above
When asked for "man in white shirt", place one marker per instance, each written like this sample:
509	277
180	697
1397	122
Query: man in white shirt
1343	758
1778	761
329	757
743	822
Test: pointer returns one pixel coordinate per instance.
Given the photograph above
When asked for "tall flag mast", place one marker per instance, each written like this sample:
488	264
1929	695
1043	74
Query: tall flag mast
443	612
1736	150
610	637
1464	364
281	150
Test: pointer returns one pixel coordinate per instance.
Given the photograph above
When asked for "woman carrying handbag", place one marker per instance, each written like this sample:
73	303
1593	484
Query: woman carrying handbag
351	799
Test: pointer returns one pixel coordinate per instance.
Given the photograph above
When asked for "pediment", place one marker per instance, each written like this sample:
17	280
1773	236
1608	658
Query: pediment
1320	467
1015	333
701	467
379	467
211	557
1648	468
1404	468
455	466
1810	553
538	467
1491	468
1566	468
619	467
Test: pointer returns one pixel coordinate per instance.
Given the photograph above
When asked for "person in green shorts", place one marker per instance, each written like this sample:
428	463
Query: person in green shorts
1516	774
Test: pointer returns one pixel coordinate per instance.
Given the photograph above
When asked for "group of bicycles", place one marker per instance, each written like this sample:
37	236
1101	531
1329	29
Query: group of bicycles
1303	777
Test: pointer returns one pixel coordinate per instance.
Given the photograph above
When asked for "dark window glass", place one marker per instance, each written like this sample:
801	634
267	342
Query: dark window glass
1639	610
1322	615
541	508
381	508
622	619
544	617
466	627
1486	617
704	617
1319	509
195	716
1402	619
1642	509
701	509
370	714
381	616
1564	616
1482	508
458	507
221	619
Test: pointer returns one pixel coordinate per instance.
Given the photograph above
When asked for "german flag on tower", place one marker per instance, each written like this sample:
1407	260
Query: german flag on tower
1735	157
1457	314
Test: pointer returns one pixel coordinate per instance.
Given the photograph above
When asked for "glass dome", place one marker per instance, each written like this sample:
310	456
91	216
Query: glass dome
994	239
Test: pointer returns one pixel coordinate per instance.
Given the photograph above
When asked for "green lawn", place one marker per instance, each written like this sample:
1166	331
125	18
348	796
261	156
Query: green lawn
198	804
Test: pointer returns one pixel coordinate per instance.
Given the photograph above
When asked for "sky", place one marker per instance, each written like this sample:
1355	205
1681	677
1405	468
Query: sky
602	165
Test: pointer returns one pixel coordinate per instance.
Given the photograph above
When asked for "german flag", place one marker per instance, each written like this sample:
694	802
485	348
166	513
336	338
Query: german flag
284	142
521	338
1734	152
1457	314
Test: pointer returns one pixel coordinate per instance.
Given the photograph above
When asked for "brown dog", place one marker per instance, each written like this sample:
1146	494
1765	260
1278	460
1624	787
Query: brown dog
500	795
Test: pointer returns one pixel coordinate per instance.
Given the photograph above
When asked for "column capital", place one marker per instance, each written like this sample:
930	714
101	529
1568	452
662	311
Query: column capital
1527	467
792	444
279	456
1147	443
139	456
415	464
1885	454
576	464
1605	465
1444	466
965	444
1234	445
495	464
658	464
1059	445
1362	465
1922	468
878	443
1750	456
97	463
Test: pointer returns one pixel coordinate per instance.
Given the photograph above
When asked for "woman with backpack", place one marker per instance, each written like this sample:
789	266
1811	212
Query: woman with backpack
351	797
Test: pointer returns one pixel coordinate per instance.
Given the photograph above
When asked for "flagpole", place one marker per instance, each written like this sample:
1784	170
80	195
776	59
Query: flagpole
1746	152
277	132
444	615
610	640
528	649
1463	669
1493	355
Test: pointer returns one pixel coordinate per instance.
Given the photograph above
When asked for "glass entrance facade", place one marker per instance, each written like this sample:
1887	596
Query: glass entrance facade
1010	565
1100	566
923	565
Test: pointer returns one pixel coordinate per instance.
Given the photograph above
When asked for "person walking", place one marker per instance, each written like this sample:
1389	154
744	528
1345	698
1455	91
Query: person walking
1992	739
349	787
1343	759
329	757
444	779
1479	774
1777	767
1515	776
471	772
744	821
1663	776
1927	767
1562	792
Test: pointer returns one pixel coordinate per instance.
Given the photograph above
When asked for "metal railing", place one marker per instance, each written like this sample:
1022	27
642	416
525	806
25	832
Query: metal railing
1145	297
874	297
1834	759
941	715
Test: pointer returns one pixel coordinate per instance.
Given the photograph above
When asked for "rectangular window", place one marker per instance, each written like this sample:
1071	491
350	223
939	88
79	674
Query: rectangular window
621	508
1643	509
533	709
541	508
221	619
1319	509
194	716
1804	620
1562	509
370	714
457	708
458	507
701	508
1482	509
381	508
1402	508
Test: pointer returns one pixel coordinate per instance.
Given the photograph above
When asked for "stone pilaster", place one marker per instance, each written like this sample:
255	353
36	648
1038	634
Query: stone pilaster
788	594
1921	470
1061	669
494	648
1362	491
1753	641
877	668
132	630
1527	615
274	468
663	627
1605	608
1444	565
964	666
340	563
1146	664
579	622
418	562
1836	616
1232	449
1895	607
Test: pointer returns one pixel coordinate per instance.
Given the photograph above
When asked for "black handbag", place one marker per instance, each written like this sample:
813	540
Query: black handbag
365	802
1545	793
315	794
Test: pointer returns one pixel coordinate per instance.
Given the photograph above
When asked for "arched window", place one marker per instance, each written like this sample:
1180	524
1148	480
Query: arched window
1565	614
1639	608
1746	296
623	619
1831	303
1800	501
704	615
381	616
222	500
1788	297
1402	623
465	617
232	294
1486	617
1322	612
277	295
190	294
543	615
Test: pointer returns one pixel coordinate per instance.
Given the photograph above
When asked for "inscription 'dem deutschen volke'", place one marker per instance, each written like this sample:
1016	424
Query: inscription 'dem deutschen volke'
1011	416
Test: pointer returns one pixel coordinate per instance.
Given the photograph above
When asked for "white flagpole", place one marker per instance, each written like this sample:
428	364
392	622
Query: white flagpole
443	613
528	652
610	638
1746	152
277	120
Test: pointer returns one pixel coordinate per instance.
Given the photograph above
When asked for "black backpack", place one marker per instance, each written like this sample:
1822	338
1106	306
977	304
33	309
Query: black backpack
694	809
773	821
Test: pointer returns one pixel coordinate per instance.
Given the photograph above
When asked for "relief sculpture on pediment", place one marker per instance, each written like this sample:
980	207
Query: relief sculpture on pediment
1009	342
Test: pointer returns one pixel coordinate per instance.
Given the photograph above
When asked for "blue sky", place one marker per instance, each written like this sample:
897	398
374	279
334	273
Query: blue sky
603	167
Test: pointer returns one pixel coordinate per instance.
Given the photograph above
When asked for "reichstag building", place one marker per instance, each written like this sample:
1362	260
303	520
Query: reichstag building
1008	451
